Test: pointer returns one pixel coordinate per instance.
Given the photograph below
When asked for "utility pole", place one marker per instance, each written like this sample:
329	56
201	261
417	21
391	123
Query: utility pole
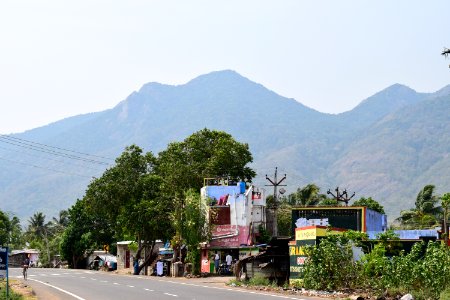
275	183
341	196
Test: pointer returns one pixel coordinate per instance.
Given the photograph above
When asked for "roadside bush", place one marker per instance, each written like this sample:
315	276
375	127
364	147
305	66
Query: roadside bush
445	295
377	269
423	272
259	280
330	265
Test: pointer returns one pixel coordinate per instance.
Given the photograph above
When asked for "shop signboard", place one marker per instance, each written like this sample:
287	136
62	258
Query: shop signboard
3	262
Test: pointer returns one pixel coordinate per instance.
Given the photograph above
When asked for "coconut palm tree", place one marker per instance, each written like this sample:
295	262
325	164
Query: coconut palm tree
308	195
425	214
38	229
445	202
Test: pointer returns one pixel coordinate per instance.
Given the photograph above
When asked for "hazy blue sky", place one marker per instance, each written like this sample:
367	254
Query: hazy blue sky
62	58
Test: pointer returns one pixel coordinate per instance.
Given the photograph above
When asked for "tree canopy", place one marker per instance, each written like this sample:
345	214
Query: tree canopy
369	203
205	153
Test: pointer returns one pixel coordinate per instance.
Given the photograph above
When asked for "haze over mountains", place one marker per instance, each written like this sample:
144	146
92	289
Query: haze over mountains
388	147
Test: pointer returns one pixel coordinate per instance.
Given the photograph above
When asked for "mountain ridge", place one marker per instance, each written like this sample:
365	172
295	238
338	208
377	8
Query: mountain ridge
310	146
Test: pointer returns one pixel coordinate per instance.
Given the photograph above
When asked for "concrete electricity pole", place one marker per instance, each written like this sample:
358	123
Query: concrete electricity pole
275	183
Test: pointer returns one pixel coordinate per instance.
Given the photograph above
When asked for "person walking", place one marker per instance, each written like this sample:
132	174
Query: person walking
216	261
25	265
229	260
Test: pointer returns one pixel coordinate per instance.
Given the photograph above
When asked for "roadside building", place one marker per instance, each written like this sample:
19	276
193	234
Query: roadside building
125	255
16	257
235	213
311	224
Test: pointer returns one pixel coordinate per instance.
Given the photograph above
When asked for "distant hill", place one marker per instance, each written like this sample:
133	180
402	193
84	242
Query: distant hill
388	147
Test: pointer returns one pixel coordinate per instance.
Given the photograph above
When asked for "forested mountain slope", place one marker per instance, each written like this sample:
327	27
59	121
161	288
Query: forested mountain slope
388	147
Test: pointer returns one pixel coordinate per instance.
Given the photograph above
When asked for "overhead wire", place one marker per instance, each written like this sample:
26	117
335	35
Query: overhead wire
29	145
59	148
52	159
40	167
53	151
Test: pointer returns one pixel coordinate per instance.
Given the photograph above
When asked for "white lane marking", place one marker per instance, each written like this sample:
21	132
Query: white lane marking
170	295
59	289
103	280
83	277
93	279
56	274
229	289
130	285
149	290
115	283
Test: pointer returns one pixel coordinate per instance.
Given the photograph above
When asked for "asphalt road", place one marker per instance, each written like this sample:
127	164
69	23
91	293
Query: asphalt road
53	284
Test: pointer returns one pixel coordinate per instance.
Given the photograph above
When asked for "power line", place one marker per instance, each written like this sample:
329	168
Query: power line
52	159
59	148
49	151
40	167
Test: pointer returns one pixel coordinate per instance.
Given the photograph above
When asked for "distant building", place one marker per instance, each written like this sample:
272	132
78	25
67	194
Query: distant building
16	257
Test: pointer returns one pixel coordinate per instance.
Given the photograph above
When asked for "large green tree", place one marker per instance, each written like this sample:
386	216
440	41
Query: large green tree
79	236
128	199
5	226
206	153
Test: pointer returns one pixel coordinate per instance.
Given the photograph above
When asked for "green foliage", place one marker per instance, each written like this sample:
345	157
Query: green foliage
425	214
306	196
424	271
78	238
264	236
329	202
330	265
194	230
259	280
234	282
369	203
5	226
445	204
284	220
11	294
39	231
445	295
206	153
10	231
377	269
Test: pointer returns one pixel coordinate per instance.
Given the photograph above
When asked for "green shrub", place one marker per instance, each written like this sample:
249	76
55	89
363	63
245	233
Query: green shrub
445	295
259	280
235	282
330	265
423	272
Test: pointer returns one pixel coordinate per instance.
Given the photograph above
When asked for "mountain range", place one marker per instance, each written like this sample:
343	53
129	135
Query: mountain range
388	147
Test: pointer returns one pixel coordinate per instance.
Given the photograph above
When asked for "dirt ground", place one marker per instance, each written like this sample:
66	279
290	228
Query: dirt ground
23	289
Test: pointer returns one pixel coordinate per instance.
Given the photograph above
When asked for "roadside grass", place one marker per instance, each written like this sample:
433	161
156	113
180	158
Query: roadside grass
17	291
256	281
